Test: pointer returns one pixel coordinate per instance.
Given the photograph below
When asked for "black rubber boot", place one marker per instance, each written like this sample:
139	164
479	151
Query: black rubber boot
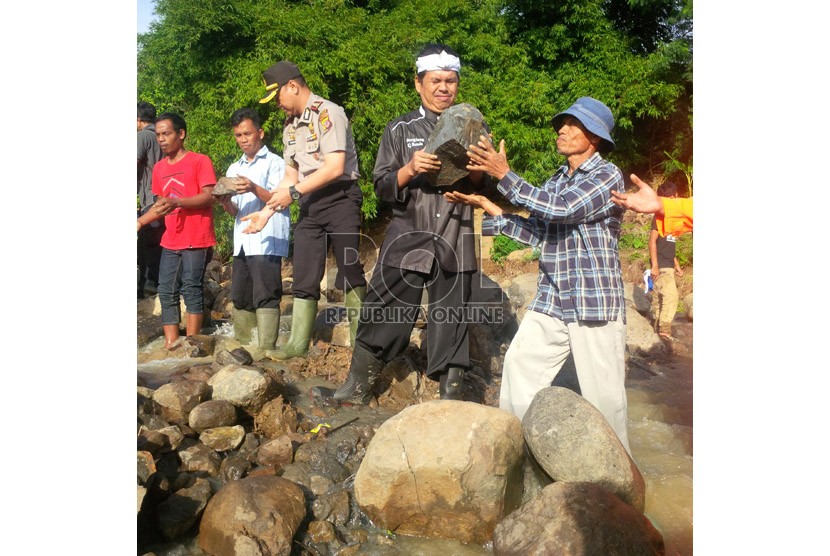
357	390
451	384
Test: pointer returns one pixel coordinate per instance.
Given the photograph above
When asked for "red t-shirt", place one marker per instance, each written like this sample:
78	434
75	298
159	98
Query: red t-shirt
186	227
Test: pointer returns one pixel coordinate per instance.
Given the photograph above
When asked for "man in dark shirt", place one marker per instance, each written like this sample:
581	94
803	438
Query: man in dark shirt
429	245
149	237
664	267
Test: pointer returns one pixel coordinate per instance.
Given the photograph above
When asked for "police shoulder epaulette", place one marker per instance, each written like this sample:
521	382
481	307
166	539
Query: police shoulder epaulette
316	105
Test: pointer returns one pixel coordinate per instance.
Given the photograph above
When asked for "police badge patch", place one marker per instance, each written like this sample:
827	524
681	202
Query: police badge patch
325	121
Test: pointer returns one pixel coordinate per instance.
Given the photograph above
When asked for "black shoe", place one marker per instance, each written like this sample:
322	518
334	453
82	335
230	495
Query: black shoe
451	384
357	390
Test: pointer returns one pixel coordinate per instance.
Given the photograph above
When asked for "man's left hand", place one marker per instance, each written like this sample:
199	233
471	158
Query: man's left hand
165	205
256	221
280	199
485	158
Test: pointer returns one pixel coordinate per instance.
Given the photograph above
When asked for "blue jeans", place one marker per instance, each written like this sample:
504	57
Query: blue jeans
182	272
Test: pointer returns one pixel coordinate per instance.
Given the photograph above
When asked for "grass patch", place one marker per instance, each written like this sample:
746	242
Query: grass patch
503	246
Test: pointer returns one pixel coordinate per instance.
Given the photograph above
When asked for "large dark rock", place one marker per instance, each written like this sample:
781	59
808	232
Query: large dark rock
182	510
459	126
579	519
211	414
255	515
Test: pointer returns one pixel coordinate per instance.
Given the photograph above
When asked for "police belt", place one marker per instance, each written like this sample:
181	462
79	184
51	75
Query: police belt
333	187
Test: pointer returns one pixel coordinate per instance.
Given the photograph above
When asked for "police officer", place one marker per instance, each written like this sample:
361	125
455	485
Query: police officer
430	244
321	175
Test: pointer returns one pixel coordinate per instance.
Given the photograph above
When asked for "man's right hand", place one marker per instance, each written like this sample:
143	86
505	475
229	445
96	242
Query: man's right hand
423	162
256	221
244	185
165	205
645	200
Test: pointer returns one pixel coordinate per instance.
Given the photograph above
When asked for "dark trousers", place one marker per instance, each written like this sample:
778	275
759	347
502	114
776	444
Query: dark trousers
256	281
331	215
149	254
391	307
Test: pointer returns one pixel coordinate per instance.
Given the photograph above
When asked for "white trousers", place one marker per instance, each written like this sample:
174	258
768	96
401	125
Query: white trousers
540	348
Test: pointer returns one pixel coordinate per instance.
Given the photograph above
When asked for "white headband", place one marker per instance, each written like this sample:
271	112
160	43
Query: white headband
441	61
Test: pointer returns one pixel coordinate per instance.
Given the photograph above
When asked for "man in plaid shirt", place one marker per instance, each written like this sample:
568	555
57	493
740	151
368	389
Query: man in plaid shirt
579	306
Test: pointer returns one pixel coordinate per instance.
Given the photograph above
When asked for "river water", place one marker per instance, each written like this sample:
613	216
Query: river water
660	434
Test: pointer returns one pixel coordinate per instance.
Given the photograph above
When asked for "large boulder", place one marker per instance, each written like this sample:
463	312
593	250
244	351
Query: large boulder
573	442
443	468
177	399
577	519
688	303
223	439
200	458
276	418
639	333
521	291
248	388
211	414
254	515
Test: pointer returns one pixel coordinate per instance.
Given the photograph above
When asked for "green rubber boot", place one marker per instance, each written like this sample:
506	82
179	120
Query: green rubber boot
354	301
267	326
243	324
302	323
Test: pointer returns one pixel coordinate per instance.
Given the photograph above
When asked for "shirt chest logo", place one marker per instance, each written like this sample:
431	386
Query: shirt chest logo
414	142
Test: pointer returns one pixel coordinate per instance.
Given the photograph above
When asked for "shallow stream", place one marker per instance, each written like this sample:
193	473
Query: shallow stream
660	433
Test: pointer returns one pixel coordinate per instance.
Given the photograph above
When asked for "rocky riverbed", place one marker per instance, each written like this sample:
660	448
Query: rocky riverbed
220	427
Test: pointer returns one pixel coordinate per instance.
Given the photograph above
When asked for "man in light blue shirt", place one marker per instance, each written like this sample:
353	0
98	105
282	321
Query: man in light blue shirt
256	280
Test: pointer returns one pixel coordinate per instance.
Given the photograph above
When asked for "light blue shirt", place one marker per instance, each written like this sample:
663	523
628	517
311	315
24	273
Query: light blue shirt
266	170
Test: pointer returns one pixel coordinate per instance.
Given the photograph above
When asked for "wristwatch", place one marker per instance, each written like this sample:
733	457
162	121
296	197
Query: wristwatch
295	195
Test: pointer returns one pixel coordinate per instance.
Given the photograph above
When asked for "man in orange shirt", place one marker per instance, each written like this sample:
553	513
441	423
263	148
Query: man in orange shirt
674	216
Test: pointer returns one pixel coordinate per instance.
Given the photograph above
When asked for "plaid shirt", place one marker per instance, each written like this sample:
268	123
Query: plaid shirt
578	227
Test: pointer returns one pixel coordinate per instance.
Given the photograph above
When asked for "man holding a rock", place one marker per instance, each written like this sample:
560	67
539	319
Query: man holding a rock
256	282
183	181
429	245
579	306
321	175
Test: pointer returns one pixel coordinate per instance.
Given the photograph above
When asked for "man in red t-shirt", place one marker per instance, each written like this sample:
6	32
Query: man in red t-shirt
184	182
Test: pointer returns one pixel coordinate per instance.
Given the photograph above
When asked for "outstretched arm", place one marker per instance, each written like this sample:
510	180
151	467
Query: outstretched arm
475	200
645	200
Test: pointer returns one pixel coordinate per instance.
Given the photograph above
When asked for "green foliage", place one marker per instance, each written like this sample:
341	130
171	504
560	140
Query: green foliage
684	250
674	165
635	236
633	242
503	246
522	62
223	228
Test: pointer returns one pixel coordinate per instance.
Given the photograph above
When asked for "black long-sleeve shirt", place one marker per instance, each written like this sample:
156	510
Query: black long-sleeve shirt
425	226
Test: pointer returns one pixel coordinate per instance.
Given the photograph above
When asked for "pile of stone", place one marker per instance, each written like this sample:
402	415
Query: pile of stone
227	461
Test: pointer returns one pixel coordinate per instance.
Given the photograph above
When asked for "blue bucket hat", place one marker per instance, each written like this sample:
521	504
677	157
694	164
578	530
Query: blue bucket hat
595	116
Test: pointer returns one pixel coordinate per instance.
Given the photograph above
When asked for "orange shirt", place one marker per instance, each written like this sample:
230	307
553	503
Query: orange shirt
677	217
